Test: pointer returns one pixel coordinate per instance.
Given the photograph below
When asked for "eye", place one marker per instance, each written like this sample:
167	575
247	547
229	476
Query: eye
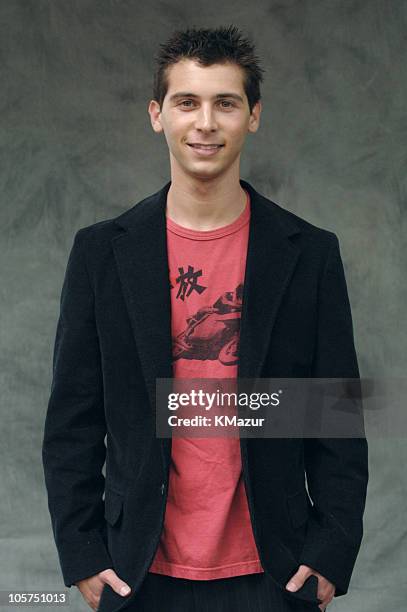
184	101
227	102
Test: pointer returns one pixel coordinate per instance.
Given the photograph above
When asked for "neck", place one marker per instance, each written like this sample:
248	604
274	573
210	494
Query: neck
205	204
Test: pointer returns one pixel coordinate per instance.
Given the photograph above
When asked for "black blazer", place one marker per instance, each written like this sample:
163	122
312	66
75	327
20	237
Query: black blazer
113	340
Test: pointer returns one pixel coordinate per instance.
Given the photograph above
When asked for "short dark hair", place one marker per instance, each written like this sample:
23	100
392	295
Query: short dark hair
209	46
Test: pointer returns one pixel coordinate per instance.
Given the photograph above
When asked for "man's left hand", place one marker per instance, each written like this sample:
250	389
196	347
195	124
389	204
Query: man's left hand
326	589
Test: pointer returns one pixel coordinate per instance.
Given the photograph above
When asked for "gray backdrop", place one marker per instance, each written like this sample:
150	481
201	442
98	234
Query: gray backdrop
77	147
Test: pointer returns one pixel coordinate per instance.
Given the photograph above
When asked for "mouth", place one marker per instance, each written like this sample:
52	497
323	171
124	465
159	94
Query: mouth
205	149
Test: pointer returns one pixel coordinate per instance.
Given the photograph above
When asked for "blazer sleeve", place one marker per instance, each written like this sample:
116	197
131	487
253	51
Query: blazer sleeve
73	448
336	468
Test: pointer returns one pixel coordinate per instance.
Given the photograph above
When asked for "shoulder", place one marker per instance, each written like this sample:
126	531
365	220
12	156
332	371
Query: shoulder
303	232
102	232
274	213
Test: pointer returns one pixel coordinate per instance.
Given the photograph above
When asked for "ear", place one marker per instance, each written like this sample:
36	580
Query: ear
155	115
254	120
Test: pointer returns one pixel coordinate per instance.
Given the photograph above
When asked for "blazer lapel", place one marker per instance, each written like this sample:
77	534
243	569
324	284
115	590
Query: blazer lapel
141	257
270	263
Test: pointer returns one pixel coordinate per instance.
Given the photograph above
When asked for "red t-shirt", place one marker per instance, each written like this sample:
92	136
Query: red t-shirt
207	530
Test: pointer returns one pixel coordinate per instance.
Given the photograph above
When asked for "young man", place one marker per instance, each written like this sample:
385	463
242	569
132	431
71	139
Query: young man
205	278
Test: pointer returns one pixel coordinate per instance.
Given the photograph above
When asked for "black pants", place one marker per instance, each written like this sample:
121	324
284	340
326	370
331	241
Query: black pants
248	593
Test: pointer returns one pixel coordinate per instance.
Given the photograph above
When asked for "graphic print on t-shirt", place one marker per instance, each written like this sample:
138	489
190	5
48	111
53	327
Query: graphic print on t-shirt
188	281
212	332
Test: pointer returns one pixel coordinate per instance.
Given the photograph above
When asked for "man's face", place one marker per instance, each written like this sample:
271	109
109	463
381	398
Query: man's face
204	105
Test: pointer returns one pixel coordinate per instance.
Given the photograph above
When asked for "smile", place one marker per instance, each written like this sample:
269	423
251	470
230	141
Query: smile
205	150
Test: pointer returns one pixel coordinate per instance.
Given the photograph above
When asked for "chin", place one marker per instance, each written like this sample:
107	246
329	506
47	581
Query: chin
203	167
206	175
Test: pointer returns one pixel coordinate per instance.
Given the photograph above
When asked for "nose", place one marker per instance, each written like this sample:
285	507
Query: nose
205	119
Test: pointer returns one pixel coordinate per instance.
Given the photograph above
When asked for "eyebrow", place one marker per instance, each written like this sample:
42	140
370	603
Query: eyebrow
219	95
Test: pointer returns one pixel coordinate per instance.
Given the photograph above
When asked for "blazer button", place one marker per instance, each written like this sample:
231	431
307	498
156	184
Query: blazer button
162	488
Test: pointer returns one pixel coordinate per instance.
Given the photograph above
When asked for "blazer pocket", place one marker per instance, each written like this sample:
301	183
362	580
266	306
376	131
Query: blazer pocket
298	508
113	506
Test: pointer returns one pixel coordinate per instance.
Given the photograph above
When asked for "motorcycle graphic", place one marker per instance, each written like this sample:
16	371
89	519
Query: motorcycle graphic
213	331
